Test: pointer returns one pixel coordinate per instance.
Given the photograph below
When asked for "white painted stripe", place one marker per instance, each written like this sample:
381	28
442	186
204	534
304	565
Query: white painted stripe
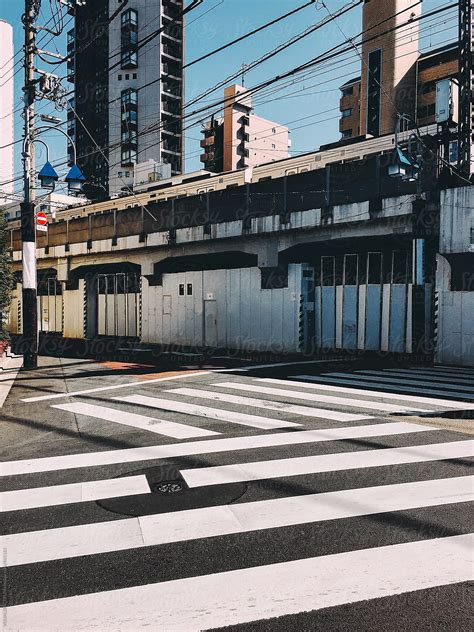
344	387
453	369
419	387
29	265
255	421
179	526
278	468
426	375
376	376
73	493
42	398
315	397
158	426
262	592
284	407
192	448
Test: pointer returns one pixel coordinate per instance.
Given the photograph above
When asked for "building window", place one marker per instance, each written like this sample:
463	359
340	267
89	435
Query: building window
189	289
120	77
374	92
181	289
347	92
130	18
428	87
347	112
129	60
425	111
129	156
129	39
129	97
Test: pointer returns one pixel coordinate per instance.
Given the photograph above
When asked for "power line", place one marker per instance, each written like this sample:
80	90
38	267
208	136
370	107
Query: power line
320	59
118	144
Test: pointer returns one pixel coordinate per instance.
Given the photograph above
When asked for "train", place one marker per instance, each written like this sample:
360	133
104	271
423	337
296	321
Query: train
202	182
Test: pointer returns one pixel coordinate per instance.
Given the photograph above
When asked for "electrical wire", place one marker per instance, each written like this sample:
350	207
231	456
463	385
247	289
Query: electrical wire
312	61
141	133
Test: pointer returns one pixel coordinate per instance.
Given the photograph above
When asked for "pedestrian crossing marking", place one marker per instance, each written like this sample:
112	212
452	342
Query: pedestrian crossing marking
213	446
314	397
113	387
426	375
117	535
284	407
379	376
409	385
261	470
73	493
158	426
262	592
344	385
254	421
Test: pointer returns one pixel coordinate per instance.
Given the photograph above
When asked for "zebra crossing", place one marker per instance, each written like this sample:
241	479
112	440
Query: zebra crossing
337	459
452	388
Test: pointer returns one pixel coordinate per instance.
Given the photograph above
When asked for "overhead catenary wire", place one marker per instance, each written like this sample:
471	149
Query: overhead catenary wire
389	97
144	131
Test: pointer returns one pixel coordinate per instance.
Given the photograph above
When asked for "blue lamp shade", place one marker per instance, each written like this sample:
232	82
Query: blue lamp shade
75	179
48	176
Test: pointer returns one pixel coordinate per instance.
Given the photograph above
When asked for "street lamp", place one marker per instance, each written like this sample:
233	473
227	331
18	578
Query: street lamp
48	176
75	179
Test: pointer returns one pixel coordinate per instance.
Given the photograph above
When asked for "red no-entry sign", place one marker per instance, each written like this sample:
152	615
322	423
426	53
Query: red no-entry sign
41	221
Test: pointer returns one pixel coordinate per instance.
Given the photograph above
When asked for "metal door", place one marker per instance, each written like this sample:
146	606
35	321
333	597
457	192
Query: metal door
210	323
118	305
50	306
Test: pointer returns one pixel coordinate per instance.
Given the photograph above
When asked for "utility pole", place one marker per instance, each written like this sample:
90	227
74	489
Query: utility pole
466	86
28	227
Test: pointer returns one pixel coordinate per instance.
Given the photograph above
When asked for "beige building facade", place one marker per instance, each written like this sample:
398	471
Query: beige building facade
240	138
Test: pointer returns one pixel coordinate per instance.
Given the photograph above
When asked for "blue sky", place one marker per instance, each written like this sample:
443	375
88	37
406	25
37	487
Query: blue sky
309	107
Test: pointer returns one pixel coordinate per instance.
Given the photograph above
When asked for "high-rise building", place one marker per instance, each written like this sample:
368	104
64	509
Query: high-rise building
396	77
240	138
126	65
6	111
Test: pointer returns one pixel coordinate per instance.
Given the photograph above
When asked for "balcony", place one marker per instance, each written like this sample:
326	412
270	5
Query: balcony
172	70
171	108
241	151
207	157
208	141
175	52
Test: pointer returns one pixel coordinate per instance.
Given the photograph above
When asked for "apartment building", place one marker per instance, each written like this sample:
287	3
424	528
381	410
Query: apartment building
128	89
240	138
395	77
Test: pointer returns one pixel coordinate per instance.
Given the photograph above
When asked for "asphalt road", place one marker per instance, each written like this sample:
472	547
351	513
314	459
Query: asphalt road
280	498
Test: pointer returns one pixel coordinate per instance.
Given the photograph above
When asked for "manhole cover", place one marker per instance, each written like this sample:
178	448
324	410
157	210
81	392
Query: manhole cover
169	492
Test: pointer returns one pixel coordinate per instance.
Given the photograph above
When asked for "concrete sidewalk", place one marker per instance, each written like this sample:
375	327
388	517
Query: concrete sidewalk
10	364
